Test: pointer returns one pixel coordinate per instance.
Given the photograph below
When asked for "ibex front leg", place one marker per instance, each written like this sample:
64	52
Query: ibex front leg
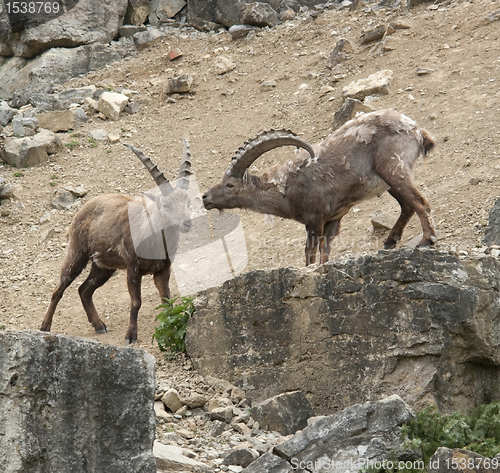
134	288
331	230
314	238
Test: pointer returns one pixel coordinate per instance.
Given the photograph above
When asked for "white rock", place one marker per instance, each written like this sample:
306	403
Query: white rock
224	65
112	104
377	84
172	458
171	400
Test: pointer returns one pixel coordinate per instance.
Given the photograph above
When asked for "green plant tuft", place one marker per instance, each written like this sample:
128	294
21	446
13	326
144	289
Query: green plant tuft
171	333
478	432
72	144
93	142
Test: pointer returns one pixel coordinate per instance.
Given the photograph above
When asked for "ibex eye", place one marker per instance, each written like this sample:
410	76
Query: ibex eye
230	186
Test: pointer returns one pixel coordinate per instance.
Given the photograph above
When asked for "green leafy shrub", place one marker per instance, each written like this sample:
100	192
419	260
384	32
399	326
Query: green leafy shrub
478	432
171	333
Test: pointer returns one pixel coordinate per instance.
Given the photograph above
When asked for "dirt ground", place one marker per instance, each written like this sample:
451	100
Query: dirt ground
457	101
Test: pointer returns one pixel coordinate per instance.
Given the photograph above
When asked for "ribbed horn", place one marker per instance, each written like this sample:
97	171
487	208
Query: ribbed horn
263	142
185	167
161	181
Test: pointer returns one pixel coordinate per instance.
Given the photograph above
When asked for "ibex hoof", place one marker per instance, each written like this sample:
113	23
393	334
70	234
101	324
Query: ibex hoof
390	245
129	341
101	331
427	243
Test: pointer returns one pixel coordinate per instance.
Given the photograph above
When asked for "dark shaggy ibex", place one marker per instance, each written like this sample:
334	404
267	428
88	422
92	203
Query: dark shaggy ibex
367	156
115	231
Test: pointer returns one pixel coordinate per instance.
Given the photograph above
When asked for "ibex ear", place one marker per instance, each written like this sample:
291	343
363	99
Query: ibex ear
245	177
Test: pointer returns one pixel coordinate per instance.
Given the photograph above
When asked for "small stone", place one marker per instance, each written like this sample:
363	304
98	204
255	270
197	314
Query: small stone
144	39
259	14
78	191
268	84
240	31
174	54
111	104
47	234
224	414
63	200
237	394
132	108
350	108
474	181
241	457
217	428
6	113
179	84
99	134
287	15
171	400
382	220
194	400
213	404
25	126
376	34
45	218
113	138
242	428
223	65
186	433
6	190
375	84
161	413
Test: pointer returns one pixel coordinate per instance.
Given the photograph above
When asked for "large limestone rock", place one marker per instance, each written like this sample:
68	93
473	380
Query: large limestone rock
137	12
162	10
30	151
231	12
285	413
21	79
420	324
62	120
354	439
89	21
459	460
72	405
492	234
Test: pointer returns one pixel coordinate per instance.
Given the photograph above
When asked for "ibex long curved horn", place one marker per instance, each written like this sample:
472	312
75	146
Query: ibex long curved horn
185	167
263	142
161	181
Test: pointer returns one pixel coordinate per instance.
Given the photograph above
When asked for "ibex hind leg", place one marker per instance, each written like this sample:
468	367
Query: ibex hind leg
96	278
407	213
402	184
70	271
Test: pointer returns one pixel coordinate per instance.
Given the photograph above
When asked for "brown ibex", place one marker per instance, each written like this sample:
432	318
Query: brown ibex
368	155
115	231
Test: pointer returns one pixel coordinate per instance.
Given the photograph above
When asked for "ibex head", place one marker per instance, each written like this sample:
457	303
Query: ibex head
237	184
172	203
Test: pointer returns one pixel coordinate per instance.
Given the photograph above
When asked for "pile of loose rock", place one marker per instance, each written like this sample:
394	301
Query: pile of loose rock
210	426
